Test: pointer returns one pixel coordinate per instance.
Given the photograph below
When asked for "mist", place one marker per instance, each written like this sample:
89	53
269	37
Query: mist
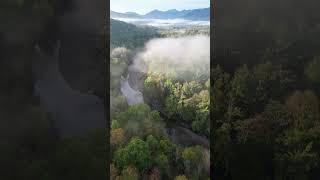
175	55
163	23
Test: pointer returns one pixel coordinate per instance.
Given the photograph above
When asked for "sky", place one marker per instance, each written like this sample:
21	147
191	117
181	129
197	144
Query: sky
145	6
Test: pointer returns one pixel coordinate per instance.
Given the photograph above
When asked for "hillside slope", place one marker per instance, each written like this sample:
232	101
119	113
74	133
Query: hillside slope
128	35
198	15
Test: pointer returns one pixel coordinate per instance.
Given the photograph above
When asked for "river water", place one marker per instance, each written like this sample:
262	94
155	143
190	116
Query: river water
131	87
132	96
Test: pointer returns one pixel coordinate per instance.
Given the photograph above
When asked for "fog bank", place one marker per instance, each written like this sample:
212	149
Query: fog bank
175	55
164	23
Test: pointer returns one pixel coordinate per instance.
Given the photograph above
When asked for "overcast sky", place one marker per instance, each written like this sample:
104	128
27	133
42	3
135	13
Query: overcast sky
145	6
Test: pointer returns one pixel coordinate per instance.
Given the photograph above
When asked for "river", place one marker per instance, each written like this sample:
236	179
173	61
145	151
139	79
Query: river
131	88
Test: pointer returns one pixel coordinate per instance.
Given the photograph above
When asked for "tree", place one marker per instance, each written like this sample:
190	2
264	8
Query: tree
219	92
267	81
117	104
263	77
295	155
239	90
139	120
201	104
193	160
191	88
153	143
171	107
155	89
239	83
162	161
115	124
136	153
167	147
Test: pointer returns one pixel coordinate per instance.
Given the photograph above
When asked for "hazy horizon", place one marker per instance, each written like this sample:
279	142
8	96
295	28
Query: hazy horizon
164	23
144	6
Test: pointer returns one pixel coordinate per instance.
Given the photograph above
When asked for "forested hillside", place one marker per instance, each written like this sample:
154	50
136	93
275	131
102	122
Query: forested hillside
114	14
164	135
198	15
265	90
128	35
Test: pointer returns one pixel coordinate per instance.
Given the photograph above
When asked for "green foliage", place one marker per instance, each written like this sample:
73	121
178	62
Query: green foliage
115	124
252	121
128	35
178	94
136	153
239	90
188	102
153	143
219	90
166	147
162	162
265	89
140	120
297	157
191	88
193	158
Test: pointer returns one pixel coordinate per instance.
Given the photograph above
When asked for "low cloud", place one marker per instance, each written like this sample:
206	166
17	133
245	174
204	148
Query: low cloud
164	22
166	55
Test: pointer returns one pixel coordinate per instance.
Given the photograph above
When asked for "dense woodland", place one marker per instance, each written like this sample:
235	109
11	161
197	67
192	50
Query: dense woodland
265	90
128	35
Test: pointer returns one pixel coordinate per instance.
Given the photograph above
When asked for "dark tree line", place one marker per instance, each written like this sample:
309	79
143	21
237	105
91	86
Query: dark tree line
265	90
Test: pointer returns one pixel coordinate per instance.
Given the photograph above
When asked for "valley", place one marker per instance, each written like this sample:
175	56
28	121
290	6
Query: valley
159	91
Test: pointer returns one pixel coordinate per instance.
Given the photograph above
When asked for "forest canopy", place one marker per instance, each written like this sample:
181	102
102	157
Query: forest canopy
265	91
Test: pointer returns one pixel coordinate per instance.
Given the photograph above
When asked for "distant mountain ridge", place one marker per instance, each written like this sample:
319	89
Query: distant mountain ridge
114	14
195	14
198	14
170	14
